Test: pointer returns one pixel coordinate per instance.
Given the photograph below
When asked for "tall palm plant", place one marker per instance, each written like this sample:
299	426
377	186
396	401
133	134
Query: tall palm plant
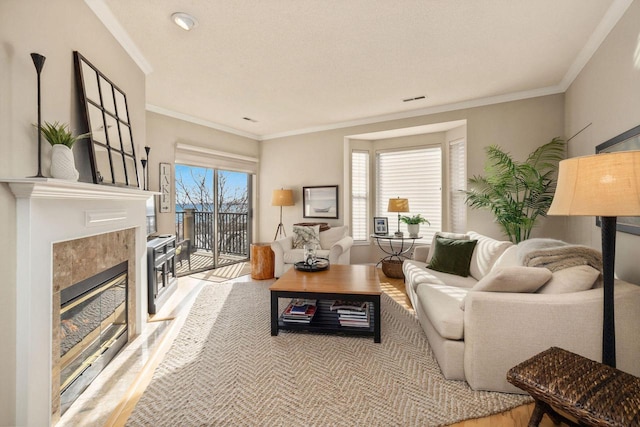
517	192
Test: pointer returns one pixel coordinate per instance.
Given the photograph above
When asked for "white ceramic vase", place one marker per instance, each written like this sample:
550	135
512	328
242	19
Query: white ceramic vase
63	165
414	229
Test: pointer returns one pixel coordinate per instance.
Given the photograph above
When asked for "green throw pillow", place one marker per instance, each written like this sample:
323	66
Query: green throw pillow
452	256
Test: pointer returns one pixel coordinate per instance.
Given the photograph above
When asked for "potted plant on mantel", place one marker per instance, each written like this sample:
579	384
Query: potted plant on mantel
61	139
413	223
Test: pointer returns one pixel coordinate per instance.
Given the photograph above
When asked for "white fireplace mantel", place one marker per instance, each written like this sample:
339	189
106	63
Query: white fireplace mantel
49	211
50	188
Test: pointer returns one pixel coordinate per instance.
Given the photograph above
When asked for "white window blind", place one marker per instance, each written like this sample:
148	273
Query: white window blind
193	155
359	195
458	183
414	174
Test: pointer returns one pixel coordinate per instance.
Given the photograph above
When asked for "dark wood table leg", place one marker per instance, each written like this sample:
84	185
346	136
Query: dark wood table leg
377	320
274	314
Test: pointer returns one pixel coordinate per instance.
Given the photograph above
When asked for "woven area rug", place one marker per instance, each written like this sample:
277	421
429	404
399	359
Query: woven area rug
224	368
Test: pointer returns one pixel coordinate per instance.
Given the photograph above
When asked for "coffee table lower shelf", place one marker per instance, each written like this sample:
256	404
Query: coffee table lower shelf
325	320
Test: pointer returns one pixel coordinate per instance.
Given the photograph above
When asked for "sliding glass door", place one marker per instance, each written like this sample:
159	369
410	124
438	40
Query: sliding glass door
212	218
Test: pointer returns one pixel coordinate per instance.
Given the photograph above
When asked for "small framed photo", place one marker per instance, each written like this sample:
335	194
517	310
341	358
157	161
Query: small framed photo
380	225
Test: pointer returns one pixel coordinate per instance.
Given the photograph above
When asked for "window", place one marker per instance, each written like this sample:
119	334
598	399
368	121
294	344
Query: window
359	195
414	174
457	184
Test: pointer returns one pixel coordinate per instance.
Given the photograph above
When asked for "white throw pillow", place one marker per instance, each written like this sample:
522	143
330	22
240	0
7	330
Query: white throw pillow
303	234
572	279
446	235
509	258
329	237
512	279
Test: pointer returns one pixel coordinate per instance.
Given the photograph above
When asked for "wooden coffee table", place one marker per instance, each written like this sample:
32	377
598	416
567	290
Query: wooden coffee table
339	282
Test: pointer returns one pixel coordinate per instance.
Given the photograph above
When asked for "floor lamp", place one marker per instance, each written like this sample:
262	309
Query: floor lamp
281	198
398	205
605	185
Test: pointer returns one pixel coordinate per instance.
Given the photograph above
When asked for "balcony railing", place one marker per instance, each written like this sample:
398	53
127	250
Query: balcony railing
199	227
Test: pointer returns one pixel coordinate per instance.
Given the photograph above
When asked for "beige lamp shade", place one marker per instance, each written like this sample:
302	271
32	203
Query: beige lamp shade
605	184
282	198
398	205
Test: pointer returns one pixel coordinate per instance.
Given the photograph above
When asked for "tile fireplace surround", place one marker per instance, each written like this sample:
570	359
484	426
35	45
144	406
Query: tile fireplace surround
67	230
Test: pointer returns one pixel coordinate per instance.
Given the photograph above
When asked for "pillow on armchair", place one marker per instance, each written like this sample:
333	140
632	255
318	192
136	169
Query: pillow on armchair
305	234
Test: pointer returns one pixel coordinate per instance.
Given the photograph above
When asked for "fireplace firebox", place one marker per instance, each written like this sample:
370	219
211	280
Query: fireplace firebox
93	328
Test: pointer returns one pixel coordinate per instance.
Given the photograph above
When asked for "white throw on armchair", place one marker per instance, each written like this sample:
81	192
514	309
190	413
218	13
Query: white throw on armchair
335	245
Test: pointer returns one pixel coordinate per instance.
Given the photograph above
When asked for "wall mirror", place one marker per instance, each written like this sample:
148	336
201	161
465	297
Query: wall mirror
106	116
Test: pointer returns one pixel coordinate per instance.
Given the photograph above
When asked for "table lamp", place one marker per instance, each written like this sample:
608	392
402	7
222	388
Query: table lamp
398	205
605	185
281	198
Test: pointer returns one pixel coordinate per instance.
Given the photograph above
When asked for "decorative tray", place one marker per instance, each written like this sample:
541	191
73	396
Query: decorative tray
320	265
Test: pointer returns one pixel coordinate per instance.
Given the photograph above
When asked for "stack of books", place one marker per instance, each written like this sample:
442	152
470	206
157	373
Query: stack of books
354	314
300	311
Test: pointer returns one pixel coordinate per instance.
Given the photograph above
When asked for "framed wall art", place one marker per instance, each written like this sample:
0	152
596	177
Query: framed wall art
105	114
380	225
165	187
626	141
320	201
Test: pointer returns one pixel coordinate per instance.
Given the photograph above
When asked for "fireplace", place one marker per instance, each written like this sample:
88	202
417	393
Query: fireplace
93	328
66	232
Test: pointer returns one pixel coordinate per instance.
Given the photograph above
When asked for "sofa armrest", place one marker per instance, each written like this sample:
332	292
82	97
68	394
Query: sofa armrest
504	329
420	253
279	247
339	248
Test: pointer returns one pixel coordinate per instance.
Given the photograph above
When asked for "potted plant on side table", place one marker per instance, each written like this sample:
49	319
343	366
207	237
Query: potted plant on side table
413	223
61	139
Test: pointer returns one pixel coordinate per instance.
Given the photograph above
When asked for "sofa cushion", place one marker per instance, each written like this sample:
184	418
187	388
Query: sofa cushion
304	234
572	279
329	237
452	256
512	279
446	235
509	258
486	253
441	304
297	255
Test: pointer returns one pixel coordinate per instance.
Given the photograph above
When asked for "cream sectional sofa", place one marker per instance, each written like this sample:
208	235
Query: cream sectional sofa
478	336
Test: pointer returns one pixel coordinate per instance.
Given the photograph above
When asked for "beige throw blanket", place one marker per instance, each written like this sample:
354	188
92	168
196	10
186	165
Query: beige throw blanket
557	255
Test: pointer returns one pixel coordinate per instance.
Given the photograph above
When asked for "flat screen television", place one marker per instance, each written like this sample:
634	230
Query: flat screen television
151	216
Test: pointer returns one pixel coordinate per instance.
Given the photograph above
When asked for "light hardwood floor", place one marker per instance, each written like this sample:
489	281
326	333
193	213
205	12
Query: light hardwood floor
394	287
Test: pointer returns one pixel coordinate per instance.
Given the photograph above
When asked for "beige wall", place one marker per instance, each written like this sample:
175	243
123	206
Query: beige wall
606	97
54	29
318	158
164	132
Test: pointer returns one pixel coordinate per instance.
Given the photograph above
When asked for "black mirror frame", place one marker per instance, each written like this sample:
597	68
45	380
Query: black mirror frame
117	164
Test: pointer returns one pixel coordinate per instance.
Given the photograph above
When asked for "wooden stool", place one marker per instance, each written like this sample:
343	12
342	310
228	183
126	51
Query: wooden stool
593	393
262	261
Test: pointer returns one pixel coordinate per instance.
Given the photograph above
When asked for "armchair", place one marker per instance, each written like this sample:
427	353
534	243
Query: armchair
335	244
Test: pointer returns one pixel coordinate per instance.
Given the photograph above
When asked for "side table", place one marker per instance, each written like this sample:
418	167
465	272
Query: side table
398	247
262	261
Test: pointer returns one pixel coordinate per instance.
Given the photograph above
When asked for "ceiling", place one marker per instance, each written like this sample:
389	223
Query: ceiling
295	66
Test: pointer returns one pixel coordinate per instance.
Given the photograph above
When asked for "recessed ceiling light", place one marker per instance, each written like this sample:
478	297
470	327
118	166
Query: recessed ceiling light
249	119
184	20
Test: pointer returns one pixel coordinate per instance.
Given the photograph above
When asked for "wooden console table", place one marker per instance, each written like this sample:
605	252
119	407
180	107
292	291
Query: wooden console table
593	393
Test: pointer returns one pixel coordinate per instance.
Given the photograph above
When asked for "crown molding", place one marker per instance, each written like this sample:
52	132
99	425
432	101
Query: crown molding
480	102
198	121
608	22
108	19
